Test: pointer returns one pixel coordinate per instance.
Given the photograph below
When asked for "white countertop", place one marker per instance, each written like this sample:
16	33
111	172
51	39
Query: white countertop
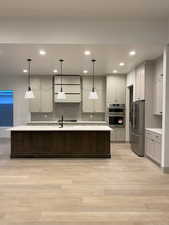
65	128
155	130
66	122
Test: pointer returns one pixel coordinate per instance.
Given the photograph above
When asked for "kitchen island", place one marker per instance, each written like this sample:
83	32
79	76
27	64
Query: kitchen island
65	142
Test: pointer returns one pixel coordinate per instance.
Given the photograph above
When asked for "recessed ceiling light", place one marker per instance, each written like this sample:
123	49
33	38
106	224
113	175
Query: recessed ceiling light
87	52
132	53
85	71
42	52
55	71
122	64
115	71
25	70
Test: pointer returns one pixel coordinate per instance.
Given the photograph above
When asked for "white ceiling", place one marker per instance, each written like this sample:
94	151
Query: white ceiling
13	58
87	9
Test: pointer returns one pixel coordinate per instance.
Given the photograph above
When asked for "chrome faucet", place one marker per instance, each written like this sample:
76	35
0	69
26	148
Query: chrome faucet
61	122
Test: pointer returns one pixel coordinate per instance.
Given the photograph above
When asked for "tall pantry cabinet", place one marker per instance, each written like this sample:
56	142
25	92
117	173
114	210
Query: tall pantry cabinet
116	94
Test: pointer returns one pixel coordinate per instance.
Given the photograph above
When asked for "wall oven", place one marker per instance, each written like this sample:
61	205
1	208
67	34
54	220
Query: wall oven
116	114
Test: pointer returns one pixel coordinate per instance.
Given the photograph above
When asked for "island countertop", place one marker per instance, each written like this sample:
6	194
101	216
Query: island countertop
57	128
78	122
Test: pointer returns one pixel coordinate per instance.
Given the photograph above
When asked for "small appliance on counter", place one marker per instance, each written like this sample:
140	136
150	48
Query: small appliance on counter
116	115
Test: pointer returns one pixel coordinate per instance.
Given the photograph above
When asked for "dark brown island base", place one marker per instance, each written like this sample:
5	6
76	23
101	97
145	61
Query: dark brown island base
55	142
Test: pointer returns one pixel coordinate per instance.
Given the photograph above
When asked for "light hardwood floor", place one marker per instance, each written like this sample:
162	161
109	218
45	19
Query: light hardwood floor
123	190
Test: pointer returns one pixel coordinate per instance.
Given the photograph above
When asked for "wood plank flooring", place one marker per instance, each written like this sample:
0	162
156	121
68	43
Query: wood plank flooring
123	190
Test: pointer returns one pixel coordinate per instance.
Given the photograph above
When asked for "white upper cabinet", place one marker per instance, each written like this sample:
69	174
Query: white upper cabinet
42	87
130	79
158	87
35	83
97	105
116	86
140	83
35	103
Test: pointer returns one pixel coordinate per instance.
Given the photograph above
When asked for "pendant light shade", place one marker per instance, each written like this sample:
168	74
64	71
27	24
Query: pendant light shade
93	94
29	93
61	94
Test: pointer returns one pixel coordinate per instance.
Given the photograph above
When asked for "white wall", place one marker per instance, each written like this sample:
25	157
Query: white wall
82	32
21	106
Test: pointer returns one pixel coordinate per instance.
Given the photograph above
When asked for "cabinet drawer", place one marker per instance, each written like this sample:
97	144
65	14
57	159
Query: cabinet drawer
156	137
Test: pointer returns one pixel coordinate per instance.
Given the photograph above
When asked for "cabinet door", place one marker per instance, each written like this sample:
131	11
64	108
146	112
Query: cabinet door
121	91
87	104
147	145
35	83
46	101
153	146
46	83
111	89
118	135
35	105
99	104
140	83
159	98
137	90
158	152
116	89
43	90
46	94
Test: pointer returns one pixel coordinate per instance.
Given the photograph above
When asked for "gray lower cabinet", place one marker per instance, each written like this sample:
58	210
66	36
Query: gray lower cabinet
118	135
153	146
42	87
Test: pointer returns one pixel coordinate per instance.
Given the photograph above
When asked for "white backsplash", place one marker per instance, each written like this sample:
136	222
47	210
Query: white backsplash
70	111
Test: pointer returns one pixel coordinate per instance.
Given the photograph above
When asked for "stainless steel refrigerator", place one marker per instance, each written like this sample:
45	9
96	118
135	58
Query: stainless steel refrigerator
138	128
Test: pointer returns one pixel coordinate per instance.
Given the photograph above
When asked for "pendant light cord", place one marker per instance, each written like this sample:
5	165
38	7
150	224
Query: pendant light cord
29	73
61	64
93	61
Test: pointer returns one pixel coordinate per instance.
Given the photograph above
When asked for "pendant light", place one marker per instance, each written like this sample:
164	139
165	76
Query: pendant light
93	94
61	95
29	93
